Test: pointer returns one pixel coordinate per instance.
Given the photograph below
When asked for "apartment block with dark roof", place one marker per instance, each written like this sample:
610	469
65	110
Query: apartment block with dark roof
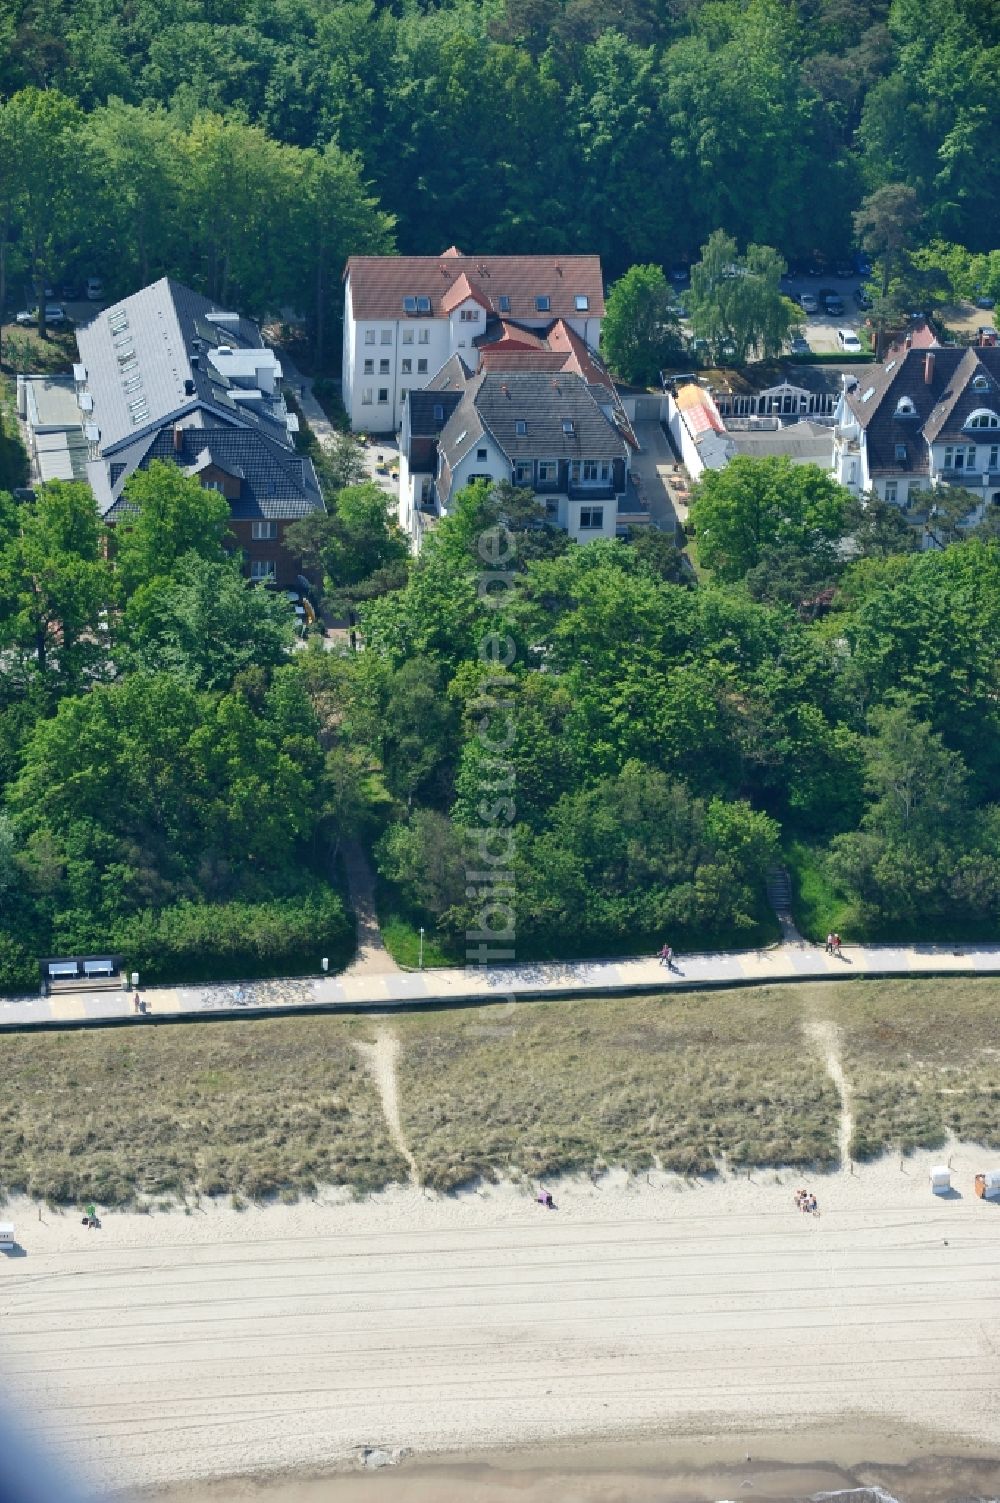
927	418
537	430
405	316
166	375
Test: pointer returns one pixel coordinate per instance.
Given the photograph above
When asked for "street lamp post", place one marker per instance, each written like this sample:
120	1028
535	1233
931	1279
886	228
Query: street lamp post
421	949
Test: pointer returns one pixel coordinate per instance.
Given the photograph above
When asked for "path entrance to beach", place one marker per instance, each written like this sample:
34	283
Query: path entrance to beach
381	1058
825	1035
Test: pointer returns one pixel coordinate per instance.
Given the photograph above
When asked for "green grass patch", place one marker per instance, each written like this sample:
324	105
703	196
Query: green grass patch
818	907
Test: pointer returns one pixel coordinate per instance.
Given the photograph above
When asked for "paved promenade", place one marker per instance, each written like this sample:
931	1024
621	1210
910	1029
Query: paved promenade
367	991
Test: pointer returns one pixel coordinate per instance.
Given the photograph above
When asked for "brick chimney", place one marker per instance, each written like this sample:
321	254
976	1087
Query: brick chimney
178	438
929	368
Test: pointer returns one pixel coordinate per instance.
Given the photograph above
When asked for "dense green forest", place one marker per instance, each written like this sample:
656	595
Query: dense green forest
249	148
583	746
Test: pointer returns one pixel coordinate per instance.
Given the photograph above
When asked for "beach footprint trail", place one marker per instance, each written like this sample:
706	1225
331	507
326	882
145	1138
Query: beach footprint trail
826	1036
381	1059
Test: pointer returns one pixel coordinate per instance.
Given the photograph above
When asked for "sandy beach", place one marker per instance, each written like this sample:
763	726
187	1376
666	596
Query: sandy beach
171	1348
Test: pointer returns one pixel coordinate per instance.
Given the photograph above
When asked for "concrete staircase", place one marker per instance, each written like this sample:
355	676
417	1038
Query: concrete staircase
779	895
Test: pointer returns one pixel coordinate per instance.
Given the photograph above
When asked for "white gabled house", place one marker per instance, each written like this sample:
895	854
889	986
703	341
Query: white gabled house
927	418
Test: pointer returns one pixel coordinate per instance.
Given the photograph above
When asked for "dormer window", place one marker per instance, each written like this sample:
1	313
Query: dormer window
543	303
409	305
520	427
503	303
423	305
900	453
980	382
568	425
582	302
905	407
983	417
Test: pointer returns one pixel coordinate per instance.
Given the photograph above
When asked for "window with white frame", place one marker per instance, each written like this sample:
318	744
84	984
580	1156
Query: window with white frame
481	454
407	367
366	396
386	336
383	394
383	367
369	336
263	568
424	336
421	367
469	316
369	367
591	518
213	485
548	469
983	418
994	455
407	336
891	490
960	457
263	531
404	392
522	472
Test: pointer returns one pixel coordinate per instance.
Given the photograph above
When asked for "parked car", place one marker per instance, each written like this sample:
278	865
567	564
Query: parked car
95	289
844	268
55	313
849	341
862	298
862	264
986	302
833	303
810	303
799	346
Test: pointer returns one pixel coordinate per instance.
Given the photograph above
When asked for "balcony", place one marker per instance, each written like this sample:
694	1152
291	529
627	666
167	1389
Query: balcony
598	490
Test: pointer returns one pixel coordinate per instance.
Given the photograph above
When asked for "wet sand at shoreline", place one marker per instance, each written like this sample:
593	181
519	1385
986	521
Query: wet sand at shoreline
778	1468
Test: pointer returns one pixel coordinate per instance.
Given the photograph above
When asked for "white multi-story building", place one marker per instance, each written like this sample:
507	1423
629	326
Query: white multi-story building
405	316
927	418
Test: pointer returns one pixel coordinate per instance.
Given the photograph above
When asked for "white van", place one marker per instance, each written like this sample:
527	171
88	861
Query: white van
8	1241
849	341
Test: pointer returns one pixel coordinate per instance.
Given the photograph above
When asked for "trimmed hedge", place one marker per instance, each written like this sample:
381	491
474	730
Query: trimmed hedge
228	941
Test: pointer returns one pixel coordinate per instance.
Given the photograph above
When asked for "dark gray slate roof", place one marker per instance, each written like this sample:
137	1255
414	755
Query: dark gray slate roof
275	482
940	405
546	403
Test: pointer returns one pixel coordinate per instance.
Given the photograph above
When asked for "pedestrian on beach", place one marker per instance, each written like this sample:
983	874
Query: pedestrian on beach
829	943
137	1005
836	945
667	957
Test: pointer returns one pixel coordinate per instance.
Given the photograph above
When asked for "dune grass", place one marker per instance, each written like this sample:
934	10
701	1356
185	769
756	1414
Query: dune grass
923	1060
684	1081
265	1107
690	1081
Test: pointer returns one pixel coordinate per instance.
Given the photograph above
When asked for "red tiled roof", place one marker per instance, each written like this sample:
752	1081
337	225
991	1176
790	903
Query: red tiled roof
699	410
380	283
460	292
503	357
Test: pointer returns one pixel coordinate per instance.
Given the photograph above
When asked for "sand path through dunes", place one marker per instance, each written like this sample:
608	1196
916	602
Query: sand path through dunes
382	1057
826	1036
179	1346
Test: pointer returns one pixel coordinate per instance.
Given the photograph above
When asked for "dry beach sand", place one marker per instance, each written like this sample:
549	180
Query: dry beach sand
176	1347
